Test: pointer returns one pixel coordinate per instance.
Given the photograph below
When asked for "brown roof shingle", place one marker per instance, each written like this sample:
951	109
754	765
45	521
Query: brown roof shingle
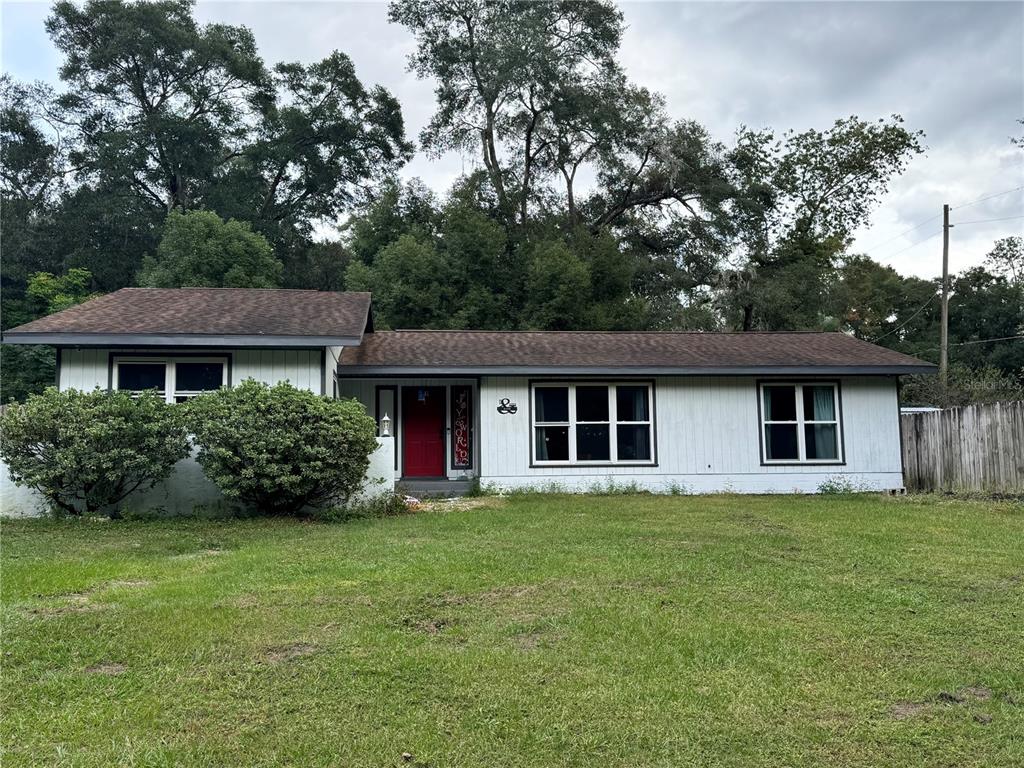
550	351
240	315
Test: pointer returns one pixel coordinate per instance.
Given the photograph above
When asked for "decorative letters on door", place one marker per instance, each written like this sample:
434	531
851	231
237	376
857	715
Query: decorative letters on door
462	420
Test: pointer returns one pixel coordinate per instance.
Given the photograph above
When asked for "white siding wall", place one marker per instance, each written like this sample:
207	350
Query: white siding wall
301	367
707	436
86	369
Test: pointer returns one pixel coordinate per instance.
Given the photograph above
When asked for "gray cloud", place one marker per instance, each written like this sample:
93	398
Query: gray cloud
952	69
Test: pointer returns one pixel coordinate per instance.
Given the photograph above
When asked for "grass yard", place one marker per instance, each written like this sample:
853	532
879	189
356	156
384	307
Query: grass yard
533	631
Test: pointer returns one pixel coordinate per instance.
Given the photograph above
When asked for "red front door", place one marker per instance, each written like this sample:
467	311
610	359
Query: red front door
423	430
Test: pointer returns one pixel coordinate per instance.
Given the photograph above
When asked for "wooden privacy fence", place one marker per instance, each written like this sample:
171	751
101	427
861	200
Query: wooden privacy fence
974	448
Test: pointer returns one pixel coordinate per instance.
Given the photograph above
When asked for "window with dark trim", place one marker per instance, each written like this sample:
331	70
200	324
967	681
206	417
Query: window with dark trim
174	379
800	423
592	423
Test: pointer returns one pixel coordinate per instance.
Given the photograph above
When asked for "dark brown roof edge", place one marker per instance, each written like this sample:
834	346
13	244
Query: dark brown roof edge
635	370
179	339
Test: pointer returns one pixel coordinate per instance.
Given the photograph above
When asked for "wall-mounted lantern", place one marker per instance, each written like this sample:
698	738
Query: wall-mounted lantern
385	426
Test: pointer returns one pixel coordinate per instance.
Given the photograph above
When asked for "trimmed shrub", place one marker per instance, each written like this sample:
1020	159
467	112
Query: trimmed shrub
280	449
85	452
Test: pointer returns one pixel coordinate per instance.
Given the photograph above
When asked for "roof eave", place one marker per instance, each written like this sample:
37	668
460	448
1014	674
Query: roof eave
541	370
176	340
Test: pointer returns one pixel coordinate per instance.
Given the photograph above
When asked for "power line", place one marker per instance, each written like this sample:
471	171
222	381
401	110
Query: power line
978	341
901	234
986	341
985	221
936	216
912	245
987	197
904	323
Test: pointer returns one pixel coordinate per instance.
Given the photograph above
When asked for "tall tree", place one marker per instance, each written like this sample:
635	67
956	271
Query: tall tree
199	249
536	91
32	174
798	200
1007	258
499	65
323	141
159	100
187	115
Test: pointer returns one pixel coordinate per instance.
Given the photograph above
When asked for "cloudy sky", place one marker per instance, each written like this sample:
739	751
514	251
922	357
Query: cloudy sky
954	70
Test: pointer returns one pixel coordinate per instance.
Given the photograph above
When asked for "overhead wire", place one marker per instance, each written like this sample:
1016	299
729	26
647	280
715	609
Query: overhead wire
976	341
985	221
939	215
987	197
905	322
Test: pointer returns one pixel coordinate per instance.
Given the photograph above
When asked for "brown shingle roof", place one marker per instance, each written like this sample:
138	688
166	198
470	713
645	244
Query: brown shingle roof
242	316
529	351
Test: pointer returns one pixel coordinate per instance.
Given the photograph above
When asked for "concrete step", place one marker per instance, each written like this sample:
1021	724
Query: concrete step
434	489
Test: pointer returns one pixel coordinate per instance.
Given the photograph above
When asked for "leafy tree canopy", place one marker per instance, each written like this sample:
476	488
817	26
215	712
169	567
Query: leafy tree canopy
53	293
199	249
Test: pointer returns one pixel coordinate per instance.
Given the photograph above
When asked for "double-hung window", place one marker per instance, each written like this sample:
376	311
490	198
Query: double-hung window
800	423
592	423
176	379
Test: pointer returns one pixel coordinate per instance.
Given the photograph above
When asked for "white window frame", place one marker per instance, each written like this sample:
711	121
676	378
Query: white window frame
613	424
171	393
801	422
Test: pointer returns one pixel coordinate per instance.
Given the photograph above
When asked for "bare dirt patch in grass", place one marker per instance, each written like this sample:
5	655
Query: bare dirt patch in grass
462	504
527	641
760	524
904	710
289	652
963	695
433	614
969	694
78	602
429	626
501	594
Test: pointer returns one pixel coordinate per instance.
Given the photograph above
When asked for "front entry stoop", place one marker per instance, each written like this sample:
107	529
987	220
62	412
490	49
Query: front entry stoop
433	489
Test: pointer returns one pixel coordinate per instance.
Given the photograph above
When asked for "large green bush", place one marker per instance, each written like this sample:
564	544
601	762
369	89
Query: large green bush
86	451
280	449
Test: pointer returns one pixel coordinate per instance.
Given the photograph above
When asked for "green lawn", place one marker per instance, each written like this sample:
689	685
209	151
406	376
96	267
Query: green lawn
537	631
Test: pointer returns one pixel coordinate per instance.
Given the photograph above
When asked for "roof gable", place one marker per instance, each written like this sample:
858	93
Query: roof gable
205	316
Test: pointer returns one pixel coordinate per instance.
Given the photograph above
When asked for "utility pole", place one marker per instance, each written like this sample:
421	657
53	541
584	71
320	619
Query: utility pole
944	337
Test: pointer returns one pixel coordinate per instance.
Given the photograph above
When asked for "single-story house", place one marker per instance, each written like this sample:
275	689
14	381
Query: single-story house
664	411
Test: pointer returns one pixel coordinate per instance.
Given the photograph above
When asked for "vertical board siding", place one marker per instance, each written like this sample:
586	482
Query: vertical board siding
974	448
707	437
299	367
86	369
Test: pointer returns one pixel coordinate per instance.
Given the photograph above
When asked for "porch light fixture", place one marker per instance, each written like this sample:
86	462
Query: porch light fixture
385	426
